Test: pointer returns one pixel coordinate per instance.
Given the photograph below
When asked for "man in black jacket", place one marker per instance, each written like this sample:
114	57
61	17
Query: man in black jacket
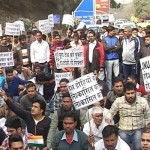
37	122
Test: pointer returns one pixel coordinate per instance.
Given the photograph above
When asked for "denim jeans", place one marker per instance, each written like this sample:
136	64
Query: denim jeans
132	137
111	65
130	69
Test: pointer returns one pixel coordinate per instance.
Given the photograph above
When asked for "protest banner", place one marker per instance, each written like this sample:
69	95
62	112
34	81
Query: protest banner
84	91
68	19
6	59
12	29
81	25
44	26
59	76
69	58
145	67
21	23
51	20
1	31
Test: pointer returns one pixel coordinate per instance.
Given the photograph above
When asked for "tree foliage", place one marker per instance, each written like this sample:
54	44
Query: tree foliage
114	4
142	8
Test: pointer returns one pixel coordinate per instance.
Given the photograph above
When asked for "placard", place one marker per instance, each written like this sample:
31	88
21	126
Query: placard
12	29
85	91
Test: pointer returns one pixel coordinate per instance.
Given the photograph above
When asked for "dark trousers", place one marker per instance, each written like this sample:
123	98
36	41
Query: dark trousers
129	70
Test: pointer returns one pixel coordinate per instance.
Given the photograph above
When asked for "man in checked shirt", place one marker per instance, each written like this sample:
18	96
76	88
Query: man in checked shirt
134	114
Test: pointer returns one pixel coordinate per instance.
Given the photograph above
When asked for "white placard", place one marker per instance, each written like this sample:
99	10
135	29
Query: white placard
12	29
59	76
145	66
81	25
1	32
21	23
69	58
51	20
85	91
68	19
44	26
6	59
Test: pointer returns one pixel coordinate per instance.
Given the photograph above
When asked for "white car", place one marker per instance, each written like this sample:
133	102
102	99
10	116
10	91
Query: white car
128	24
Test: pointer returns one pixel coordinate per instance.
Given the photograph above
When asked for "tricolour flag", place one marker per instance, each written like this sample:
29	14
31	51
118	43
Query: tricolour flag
35	141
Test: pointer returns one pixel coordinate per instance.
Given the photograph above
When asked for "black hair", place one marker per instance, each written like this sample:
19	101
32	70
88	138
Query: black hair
83	36
105	28
66	41
70	114
39	32
129	86
22	37
92	32
121	30
64	80
116	80
66	95
44	37
133	77
28	85
110	28
14	138
135	29
8	70
18	64
42	104
147	36
48	77
96	69
40	76
13	122
109	130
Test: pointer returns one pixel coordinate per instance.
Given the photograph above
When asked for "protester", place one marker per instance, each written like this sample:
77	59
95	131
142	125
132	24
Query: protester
145	140
70	138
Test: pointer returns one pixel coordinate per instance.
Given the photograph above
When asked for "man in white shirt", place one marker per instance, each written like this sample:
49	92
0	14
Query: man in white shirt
93	128
40	51
111	140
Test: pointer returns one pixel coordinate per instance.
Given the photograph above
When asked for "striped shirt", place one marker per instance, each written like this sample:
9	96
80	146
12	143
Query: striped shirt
132	116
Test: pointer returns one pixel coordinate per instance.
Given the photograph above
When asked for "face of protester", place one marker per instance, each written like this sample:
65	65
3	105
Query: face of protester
19	69
23	41
110	142
127	32
4	40
131	80
12	131
1	70
67	103
69	33
118	88
130	96
37	70
111	33
145	141
147	41
10	76
121	34
143	33
69	125
36	109
63	87
67	46
135	33
92	37
97	117
76	39
39	37
17	146
96	74
83	41
57	39
31	91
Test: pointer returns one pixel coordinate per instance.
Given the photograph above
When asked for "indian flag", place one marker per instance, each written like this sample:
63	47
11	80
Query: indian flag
35	141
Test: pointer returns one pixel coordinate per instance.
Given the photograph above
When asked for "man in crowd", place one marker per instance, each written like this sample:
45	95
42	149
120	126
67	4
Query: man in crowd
134	115
63	89
111	46
93	54
32	94
5	45
145	140
14	126
37	122
16	142
130	53
11	83
70	138
40	51
57	119
111	140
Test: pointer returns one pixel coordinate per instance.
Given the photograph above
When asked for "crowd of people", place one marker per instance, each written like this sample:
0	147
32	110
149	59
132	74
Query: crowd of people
31	104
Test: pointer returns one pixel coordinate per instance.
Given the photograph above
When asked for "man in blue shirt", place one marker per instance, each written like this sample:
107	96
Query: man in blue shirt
70	138
11	83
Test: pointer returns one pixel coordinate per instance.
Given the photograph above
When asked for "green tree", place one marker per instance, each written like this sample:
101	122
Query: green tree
113	4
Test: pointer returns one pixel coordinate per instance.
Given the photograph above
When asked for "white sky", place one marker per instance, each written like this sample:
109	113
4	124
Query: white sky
123	1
